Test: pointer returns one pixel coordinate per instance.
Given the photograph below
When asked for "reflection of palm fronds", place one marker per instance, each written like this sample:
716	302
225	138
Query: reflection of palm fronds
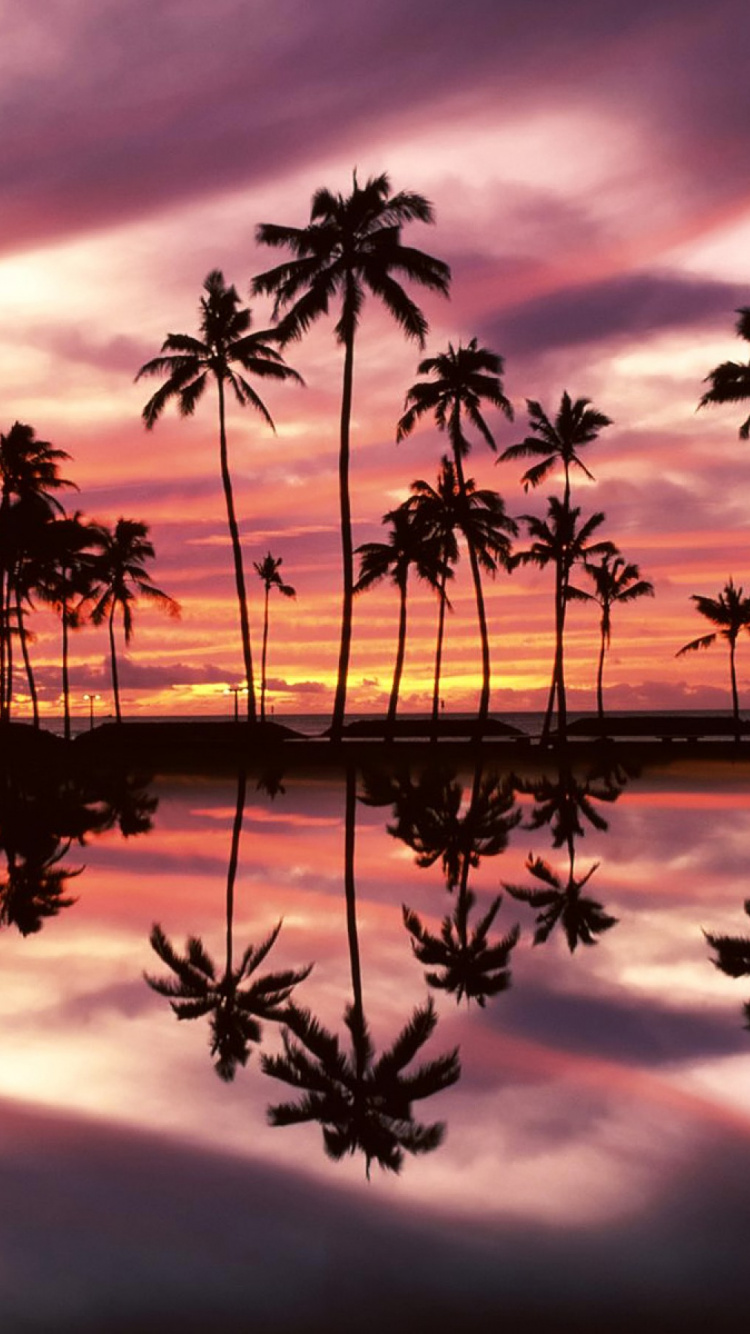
564	801
582	919
469	966
360	1102
32	893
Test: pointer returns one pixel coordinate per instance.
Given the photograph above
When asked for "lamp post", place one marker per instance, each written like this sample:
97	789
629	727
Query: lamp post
236	691
91	699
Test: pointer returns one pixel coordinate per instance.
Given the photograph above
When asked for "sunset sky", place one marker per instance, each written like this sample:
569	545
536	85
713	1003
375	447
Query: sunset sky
588	166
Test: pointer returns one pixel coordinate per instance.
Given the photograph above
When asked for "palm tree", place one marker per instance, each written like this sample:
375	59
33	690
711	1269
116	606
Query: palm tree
408	545
235	1003
267	571
120	577
576	424
463	379
434	509
730	382
190	364
730	612
733	957
615	581
351	245
469	965
582	918
361	1102
560	540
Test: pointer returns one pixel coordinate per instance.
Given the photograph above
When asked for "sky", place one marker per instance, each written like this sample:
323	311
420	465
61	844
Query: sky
587	164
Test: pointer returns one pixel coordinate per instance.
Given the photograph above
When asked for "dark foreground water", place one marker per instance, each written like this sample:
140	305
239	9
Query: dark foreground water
590	1169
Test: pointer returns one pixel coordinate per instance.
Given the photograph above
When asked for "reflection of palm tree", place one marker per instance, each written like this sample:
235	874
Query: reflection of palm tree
408	545
33	891
615	582
267	571
730	382
190	364
730	613
576	424
582	919
119	579
464	378
469	965
235	1004
362	1102
560	541
351	244
733	956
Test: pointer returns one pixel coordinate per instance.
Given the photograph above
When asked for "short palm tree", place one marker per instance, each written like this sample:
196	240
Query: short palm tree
730	382
467	963
615	581
408	546
562	903
267	571
352	245
434	509
119	578
463	380
190	364
576	424
561	541
730	613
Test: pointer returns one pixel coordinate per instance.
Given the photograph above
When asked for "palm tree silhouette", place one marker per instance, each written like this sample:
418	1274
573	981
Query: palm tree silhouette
468	964
64	577
733	957
730	612
351	245
236	1004
560	540
435	510
267	571
120	577
730	382
362	1102
615	581
190	364
408	545
464	378
562	903
576	424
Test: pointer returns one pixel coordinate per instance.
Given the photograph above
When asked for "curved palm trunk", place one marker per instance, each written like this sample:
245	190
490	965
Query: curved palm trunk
239	573
600	678
400	655
735	696
349	891
438	658
263	658
232	867
347	554
484	698
27	663
113	660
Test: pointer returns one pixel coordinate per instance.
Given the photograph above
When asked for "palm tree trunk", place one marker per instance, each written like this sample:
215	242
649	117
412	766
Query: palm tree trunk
347	554
113	660
27	664
562	712
263	658
438	658
735	696
7	702
239	573
600	679
232	868
400	655
65	674
349	891
484	698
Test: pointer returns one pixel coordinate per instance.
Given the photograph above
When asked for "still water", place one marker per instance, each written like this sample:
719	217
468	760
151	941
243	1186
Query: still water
485	1069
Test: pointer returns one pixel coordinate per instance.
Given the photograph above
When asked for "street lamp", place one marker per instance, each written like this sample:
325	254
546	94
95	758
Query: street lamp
236	691
91	699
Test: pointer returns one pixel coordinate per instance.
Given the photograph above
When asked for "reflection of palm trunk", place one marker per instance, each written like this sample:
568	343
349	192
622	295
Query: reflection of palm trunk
347	555
438	656
233	860
113	658
351	905
400	655
239	573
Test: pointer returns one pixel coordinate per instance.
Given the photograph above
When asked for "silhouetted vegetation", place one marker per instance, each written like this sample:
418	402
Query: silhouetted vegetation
730	613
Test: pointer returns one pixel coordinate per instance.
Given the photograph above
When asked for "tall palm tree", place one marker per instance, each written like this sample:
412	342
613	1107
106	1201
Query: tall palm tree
408	545
267	571
120	577
730	382
352	245
576	424
730	613
561	541
615	581
463	379
236	1003
362	1102
190	364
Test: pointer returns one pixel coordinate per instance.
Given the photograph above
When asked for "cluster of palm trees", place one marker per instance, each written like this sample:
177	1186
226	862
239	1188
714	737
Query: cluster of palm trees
83	571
